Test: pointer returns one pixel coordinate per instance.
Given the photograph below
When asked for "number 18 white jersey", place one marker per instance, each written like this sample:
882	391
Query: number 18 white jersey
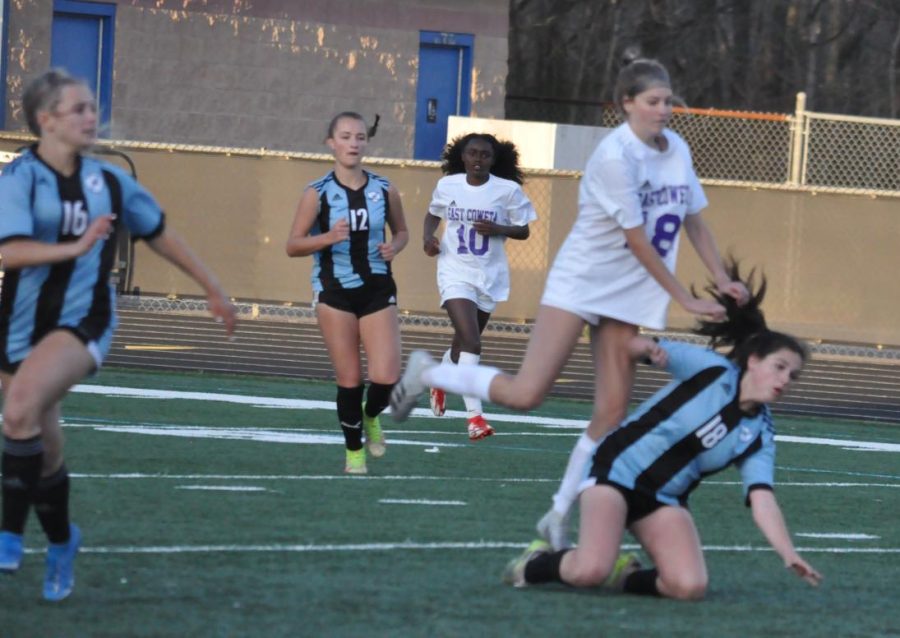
626	184
467	256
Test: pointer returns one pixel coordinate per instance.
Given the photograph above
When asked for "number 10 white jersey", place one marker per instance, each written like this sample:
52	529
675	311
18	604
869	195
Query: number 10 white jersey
467	256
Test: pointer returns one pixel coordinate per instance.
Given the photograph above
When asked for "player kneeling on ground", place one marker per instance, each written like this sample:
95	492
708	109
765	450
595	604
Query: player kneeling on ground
714	413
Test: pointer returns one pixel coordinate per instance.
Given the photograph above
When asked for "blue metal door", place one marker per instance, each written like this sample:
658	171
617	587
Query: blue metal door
443	89
82	42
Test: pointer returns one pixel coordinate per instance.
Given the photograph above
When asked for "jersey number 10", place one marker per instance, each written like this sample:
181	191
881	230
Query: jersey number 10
471	246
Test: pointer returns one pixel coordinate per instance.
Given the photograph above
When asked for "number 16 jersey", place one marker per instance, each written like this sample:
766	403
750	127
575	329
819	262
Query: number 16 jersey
467	256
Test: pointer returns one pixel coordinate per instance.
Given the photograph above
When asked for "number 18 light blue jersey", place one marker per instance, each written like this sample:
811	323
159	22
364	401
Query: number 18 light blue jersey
691	428
39	204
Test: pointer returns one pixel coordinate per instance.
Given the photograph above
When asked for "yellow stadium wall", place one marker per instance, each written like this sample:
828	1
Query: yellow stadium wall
830	259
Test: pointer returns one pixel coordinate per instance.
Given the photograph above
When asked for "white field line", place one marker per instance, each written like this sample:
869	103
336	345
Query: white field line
305	404
302	477
411	545
417	501
848	537
398	477
222	488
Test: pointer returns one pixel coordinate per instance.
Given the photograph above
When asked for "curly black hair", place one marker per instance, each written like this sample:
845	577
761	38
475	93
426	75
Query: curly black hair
506	157
745	329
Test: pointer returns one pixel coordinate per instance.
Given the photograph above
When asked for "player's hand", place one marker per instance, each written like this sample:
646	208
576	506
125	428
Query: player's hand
387	250
705	308
432	246
647	349
340	231
736	290
99	230
805	571
487	228
223	311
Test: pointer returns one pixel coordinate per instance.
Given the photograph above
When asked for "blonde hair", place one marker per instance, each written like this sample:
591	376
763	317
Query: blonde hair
637	76
44	93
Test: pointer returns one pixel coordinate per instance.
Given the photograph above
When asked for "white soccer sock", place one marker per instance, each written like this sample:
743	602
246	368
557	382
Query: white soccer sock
461	379
447	357
575	473
473	404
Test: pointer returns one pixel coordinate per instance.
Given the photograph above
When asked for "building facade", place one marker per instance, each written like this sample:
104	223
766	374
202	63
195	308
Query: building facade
252	74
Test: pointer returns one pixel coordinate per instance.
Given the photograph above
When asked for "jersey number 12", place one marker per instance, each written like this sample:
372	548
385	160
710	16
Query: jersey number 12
359	219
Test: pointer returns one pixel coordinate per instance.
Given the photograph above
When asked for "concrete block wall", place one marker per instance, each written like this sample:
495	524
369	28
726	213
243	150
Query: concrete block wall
231	73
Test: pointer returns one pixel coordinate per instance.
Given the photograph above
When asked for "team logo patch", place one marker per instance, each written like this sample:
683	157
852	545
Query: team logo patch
746	434
392	299
94	183
374	195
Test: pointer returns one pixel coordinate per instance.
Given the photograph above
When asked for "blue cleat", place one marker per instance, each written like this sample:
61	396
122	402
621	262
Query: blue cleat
11	550
60	577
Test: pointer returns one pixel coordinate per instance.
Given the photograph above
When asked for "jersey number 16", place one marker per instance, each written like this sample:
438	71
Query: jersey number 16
74	218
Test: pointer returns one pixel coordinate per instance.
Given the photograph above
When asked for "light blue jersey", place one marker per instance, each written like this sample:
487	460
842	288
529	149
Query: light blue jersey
39	204
691	428
348	264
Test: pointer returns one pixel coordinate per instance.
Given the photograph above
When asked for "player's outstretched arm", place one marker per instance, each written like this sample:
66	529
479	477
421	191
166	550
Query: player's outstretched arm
170	246
768	517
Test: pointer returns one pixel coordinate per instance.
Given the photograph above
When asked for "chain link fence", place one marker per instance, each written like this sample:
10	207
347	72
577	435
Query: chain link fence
806	150
851	153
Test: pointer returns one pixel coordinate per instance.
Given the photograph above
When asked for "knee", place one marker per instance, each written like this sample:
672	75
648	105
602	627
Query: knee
684	586
17	415
586	572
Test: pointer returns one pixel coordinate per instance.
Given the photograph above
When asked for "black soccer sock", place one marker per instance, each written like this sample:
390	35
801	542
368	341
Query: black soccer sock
643	581
51	504
21	469
544	568
377	398
349	409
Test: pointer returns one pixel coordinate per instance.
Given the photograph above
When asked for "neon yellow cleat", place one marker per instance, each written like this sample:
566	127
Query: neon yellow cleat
374	436
356	462
514	574
625	565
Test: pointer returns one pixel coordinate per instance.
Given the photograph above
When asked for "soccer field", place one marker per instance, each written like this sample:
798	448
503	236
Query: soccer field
217	506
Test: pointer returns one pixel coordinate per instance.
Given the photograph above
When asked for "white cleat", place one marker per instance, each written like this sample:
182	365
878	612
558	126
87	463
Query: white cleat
410	387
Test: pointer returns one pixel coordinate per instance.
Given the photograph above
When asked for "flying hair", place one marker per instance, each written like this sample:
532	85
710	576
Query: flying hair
506	157
744	329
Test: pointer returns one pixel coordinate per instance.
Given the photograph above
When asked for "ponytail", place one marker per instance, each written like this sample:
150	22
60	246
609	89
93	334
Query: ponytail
744	329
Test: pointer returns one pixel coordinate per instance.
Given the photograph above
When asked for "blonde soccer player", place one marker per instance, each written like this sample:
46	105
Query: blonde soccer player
614	272
60	210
